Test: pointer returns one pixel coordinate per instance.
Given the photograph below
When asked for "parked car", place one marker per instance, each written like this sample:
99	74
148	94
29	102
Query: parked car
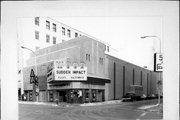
135	93
144	97
153	96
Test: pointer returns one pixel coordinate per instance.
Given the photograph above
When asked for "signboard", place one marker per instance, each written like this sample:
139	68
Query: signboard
158	62
74	72
32	76
50	72
71	74
64	70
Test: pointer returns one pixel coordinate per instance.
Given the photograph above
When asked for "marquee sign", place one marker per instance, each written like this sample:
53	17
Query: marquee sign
66	71
50	72
158	62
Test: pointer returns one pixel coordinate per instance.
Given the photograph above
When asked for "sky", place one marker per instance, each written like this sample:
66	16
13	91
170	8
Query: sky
123	34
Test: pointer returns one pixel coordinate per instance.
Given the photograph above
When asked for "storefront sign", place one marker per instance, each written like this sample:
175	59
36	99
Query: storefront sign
158	62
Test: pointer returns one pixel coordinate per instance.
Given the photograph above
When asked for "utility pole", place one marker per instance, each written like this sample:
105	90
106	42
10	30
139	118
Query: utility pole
159	82
33	77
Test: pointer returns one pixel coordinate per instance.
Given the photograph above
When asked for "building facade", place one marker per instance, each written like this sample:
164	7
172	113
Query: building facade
107	77
39	32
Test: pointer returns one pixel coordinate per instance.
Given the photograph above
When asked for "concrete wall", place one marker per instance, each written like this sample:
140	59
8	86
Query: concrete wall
114	70
75	49
42	76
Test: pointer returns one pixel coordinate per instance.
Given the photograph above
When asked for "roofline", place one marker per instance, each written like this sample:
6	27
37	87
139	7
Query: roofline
127	62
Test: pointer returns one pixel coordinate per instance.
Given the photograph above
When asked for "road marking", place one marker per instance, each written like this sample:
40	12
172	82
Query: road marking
143	114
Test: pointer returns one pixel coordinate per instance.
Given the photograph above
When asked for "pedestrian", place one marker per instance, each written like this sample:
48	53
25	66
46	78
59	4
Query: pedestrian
56	101
24	97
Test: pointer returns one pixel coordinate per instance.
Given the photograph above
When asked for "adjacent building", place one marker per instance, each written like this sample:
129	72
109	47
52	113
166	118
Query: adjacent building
81	70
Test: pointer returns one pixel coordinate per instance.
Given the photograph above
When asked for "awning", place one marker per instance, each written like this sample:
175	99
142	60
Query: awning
98	80
90	79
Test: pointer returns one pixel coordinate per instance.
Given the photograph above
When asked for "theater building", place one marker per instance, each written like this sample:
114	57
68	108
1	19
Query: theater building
79	71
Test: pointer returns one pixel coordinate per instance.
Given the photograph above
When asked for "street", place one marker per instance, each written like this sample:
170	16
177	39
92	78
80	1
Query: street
123	110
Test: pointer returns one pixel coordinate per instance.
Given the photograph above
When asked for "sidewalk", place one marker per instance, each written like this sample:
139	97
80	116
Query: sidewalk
102	103
70	105
152	108
62	104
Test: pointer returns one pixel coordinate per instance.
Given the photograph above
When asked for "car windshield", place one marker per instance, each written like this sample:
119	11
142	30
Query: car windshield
130	93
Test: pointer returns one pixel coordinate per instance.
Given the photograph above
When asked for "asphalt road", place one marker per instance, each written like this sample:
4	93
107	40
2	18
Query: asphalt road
121	111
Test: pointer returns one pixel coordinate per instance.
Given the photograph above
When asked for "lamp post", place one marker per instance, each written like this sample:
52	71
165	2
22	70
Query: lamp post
143	37
34	83
159	82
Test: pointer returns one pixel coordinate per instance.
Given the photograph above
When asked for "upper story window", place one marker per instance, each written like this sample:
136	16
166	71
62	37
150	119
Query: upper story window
101	60
88	57
37	47
54	40
36	21
54	27
69	33
47	25
37	35
47	38
107	48
76	34
63	31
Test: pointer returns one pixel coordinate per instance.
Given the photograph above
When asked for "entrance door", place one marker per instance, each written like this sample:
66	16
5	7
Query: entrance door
62	96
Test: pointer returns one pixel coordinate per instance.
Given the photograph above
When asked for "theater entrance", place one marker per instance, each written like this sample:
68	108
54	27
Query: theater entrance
79	95
62	96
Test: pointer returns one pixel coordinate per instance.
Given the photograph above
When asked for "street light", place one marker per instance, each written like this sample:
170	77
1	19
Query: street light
143	37
34	83
159	82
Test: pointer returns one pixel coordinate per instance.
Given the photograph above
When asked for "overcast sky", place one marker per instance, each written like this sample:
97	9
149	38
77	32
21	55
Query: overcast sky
123	33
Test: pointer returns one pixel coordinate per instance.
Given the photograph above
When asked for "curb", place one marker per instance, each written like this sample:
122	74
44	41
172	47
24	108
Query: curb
147	107
49	104
36	103
67	105
101	103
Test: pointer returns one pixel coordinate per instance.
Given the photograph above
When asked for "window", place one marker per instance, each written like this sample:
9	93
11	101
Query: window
63	31
69	33
47	38
47	25
37	21
101	60
36	48
88	57
76	34
54	27
108	48
36	35
54	40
